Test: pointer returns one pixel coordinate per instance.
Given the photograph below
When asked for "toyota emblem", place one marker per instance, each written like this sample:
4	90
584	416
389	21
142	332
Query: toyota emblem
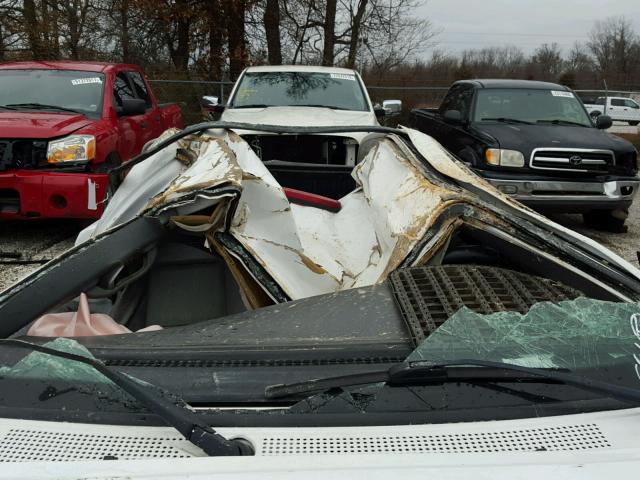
575	160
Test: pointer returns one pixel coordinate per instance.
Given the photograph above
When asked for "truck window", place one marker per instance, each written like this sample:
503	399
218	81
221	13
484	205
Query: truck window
600	101
631	104
529	105
121	89
140	87
617	102
340	91
459	98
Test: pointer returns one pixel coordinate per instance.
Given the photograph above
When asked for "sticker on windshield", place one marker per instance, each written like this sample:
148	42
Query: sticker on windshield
343	76
558	93
84	81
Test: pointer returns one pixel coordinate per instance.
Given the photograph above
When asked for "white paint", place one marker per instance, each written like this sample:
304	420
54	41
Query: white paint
91	195
620	460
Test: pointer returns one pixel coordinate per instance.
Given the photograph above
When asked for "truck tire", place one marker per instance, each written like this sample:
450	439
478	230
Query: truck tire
633	124
607	220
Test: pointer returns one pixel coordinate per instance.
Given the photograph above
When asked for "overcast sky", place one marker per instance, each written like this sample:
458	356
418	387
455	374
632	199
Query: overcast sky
525	23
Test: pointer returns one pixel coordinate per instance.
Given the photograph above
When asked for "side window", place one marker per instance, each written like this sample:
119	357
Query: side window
121	90
600	101
458	98
617	102
631	103
140	87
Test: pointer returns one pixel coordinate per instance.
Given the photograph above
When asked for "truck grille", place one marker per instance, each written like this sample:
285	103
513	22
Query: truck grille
572	160
428	296
22	153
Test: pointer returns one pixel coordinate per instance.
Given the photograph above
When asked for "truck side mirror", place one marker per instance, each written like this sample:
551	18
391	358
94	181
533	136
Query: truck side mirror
392	107
454	117
603	122
132	106
211	104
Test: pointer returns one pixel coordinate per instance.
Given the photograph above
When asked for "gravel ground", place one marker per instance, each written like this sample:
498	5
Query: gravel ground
46	239
35	240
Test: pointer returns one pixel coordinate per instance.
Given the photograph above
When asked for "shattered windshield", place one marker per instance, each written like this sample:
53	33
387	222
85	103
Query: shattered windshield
596	339
299	89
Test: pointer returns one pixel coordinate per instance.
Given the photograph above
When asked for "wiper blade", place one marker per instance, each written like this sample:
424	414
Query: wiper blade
507	120
185	421
253	105
427	373
7	107
563	122
41	106
332	107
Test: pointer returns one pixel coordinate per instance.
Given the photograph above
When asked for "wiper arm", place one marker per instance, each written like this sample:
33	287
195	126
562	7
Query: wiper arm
507	120
563	122
36	106
426	373
185	421
7	107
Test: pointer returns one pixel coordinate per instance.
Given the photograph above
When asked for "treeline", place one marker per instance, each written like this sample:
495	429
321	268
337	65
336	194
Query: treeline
611	55
216	39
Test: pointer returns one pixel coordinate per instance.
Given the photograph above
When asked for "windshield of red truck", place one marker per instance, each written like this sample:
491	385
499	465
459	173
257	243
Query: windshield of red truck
339	91
530	106
42	90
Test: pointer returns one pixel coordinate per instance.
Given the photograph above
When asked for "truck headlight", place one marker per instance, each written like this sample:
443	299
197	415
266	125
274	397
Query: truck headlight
504	158
74	148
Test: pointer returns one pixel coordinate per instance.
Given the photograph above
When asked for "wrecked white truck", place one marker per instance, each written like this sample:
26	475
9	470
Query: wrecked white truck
424	323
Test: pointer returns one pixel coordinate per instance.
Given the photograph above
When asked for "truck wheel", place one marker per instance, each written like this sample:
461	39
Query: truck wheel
633	124
607	220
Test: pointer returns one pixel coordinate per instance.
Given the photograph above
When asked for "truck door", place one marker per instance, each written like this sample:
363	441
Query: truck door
154	115
633	110
454	137
618	109
135	130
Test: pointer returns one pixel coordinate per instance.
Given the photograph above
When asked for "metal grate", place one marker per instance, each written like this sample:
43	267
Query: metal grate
27	445
427	296
561	438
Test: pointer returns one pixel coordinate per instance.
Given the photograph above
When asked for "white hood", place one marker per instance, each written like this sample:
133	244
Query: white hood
299	116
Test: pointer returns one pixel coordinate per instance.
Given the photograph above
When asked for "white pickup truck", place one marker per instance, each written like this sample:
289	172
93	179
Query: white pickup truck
620	109
300	96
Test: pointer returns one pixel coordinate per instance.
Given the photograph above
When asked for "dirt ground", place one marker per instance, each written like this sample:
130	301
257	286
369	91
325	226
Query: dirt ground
44	240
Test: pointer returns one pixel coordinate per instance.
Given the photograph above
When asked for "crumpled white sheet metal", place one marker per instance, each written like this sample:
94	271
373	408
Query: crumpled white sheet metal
307	251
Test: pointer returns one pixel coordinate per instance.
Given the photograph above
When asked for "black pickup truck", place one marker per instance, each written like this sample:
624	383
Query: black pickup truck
536	141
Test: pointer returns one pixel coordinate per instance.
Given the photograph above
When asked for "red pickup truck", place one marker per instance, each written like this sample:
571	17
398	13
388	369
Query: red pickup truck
63	125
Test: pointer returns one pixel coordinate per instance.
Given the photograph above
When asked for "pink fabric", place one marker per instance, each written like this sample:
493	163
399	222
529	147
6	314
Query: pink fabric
82	323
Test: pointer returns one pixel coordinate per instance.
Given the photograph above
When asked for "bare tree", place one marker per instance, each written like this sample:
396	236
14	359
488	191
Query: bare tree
271	21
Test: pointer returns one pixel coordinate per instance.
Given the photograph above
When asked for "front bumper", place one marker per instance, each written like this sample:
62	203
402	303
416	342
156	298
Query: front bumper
32	194
570	195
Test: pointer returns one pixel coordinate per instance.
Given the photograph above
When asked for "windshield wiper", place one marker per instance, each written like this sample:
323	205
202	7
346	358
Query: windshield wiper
507	120
7	107
563	122
427	373
184	421
253	105
332	107
41	106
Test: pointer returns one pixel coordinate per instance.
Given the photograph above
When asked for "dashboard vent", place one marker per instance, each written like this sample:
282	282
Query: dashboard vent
427	296
546	439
